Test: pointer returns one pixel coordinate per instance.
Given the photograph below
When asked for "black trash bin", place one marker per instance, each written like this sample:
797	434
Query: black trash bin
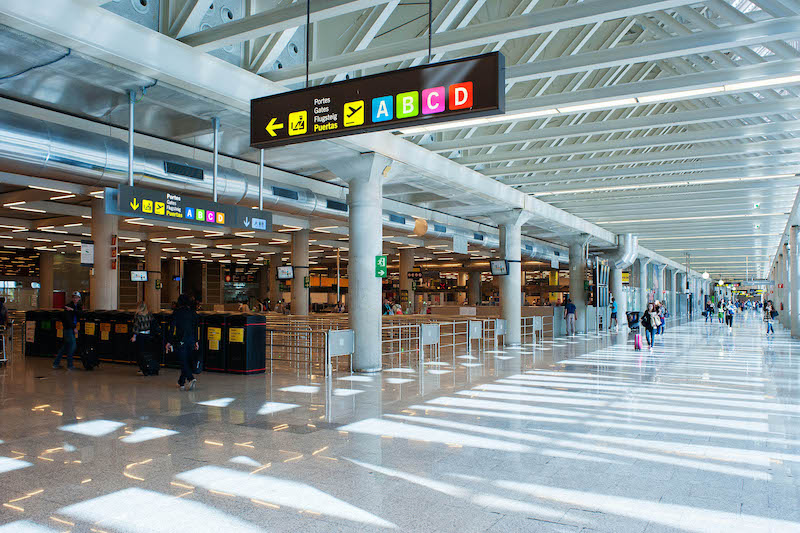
105	339
32	333
87	333
247	343
215	342
47	342
124	351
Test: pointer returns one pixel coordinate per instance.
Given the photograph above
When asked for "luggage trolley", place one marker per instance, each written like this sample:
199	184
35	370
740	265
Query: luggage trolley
5	341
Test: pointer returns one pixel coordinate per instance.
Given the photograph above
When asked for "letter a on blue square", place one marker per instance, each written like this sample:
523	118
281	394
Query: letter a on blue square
382	109
190	213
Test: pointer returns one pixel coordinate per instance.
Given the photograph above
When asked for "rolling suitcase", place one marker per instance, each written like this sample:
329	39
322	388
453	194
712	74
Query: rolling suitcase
89	358
637	342
148	358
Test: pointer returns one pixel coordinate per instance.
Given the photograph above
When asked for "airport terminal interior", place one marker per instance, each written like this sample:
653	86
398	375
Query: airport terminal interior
394	265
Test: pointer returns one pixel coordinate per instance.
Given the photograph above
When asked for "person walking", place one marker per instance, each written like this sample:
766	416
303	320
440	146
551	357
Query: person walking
613	320
69	320
769	315
145	329
650	322
721	311
569	315
184	339
729	312
662	315
709	311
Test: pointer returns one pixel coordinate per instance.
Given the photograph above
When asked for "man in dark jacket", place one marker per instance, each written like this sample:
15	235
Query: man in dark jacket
183	329
72	313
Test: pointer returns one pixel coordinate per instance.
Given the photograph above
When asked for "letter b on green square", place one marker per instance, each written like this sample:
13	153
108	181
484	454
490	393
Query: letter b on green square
407	104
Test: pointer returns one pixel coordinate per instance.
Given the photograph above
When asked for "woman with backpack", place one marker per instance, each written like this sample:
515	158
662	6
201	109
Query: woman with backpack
769	315
145	332
650	322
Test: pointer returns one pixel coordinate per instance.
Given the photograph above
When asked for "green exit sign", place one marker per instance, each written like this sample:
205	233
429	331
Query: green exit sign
380	266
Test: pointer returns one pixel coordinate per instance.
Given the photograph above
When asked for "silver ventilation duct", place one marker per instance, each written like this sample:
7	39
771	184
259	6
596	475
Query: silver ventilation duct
625	253
35	147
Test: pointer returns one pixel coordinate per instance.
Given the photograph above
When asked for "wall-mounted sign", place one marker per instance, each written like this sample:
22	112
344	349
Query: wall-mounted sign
87	253
139	202
380	266
414	275
451	90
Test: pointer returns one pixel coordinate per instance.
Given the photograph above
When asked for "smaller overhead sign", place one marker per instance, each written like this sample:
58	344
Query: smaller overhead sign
139	202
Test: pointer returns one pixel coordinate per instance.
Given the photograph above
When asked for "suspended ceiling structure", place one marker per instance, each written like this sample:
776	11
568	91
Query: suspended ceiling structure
672	120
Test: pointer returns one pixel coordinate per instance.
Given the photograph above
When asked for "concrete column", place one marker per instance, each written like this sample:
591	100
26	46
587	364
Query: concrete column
104	284
46	284
787	287
779	304
794	282
274	284
474	288
366	242
263	282
152	263
511	285
461	297
300	264
641	264
174	287
577	279
779	279
672	297
660	277
615	285
406	266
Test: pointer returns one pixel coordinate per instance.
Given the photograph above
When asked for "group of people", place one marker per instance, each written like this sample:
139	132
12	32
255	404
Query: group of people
653	321
390	308
725	311
181	335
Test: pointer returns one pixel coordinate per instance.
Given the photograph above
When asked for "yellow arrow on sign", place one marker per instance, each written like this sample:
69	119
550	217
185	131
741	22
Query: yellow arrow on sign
135	204
272	127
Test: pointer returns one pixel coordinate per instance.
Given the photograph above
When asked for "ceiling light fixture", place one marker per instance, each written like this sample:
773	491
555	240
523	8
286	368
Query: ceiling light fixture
49	189
28	209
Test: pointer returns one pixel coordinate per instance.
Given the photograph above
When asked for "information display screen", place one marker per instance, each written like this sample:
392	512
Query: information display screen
285	272
138	275
499	267
428	94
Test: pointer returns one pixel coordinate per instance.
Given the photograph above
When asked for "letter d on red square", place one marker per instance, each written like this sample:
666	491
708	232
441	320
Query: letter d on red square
460	96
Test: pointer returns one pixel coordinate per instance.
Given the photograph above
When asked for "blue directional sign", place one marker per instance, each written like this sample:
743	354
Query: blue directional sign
177	207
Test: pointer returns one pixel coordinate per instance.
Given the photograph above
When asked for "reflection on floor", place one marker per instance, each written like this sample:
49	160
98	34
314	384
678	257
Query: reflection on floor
701	434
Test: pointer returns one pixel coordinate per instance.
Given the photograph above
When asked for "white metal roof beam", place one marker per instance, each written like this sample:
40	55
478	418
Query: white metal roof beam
645	141
189	16
662	119
662	173
697	43
656	87
651	157
545	20
272	21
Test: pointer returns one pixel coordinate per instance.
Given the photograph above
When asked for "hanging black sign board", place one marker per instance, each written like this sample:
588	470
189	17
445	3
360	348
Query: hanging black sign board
452	90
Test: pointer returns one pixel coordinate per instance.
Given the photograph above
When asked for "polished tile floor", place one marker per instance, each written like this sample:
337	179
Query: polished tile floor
577	435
